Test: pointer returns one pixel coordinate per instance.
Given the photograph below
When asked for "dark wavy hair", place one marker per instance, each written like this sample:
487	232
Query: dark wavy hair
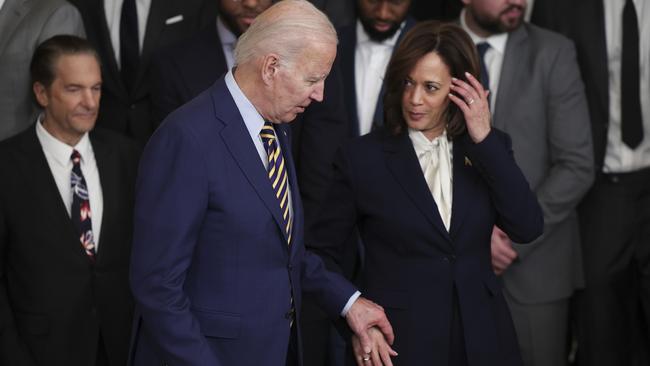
43	65
456	49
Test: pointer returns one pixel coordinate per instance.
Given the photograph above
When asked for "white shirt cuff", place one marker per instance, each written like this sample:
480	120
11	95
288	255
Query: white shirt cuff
348	305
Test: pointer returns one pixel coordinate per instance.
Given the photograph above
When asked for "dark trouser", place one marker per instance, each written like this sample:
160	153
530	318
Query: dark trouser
457	353
292	352
102	357
613	311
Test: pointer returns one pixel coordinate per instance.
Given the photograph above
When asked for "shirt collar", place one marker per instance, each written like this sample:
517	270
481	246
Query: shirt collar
58	149
421	143
225	35
363	37
497	41
252	118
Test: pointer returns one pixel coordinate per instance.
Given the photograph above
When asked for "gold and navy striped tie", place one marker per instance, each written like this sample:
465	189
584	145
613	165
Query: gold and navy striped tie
277	174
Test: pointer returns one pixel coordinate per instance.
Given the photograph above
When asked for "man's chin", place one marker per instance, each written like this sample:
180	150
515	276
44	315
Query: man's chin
379	35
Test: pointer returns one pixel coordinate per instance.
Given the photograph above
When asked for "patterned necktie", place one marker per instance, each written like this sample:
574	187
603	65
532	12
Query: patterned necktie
277	174
482	48
631	120
80	210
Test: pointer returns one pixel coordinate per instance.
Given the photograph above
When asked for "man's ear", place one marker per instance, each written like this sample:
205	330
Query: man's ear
40	93
270	65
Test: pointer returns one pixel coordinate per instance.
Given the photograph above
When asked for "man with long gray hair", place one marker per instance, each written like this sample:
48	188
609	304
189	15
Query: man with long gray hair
218	264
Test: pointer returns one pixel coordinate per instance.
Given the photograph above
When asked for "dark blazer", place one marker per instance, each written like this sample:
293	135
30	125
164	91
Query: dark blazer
413	267
53	301
217	285
181	71
130	114
345	60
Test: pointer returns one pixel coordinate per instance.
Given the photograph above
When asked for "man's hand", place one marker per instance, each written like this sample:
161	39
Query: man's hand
363	315
502	253
381	351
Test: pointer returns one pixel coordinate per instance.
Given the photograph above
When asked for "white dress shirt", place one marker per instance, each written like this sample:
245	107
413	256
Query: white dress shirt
619	157
254	123
435	157
58	154
493	56
228	42
2	2
113	11
370	61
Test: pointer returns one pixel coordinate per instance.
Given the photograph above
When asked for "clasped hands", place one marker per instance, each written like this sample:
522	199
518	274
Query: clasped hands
373	334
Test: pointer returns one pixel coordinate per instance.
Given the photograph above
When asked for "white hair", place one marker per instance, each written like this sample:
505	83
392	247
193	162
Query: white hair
286	29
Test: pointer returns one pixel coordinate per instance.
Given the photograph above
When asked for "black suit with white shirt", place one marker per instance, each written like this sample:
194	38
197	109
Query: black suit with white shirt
55	304
129	113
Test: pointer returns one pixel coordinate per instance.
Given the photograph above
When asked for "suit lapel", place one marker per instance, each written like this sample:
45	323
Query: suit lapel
111	71
47	195
464	180
11	15
515	60
237	139
403	164
108	173
155	25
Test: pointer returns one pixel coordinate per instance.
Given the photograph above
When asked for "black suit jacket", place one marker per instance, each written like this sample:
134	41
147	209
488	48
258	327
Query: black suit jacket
130	113
53	301
415	268
181	71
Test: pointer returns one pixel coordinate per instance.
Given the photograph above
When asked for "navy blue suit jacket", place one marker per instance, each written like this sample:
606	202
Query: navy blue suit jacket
413	265
211	271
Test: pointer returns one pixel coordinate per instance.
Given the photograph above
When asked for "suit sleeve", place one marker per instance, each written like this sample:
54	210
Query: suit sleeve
171	201
66	19
571	171
518	212
13	351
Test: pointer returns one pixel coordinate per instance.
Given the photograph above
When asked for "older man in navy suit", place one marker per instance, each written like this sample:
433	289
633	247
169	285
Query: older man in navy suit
218	264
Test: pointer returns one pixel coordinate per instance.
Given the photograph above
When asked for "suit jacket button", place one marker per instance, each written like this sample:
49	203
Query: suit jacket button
446	259
290	266
289	314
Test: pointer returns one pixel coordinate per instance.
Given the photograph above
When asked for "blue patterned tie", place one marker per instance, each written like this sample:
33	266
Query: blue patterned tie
80	211
278	175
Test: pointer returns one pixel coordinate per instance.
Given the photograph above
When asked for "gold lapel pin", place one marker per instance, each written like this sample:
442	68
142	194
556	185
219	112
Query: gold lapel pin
467	161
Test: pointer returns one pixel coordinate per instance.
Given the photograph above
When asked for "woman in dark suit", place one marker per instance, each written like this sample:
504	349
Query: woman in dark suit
425	194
